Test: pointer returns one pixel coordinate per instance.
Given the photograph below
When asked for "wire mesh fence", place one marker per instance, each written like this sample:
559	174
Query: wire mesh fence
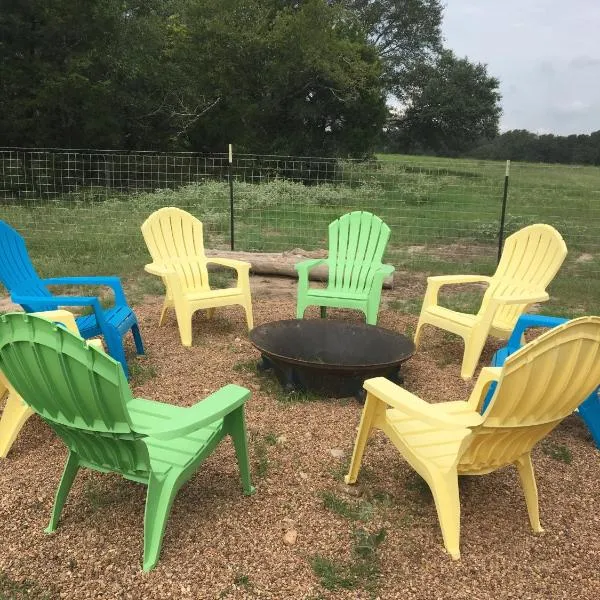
81	210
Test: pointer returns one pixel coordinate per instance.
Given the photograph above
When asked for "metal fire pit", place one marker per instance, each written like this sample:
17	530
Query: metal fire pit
328	357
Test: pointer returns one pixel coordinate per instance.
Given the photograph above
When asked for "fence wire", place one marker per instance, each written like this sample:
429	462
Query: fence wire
81	210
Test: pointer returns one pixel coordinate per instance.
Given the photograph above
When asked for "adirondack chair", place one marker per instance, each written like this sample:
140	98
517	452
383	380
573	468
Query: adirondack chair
538	386
357	242
16	412
589	409
530	260
27	289
176	244
82	393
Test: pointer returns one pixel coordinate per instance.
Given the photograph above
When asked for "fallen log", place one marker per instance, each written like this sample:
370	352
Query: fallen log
282	263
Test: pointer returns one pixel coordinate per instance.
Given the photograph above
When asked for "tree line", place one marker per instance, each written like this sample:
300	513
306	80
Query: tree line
297	77
523	145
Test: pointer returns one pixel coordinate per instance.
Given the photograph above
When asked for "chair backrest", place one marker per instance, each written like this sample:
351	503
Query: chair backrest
17	273
541	384
357	242
80	391
175	239
530	259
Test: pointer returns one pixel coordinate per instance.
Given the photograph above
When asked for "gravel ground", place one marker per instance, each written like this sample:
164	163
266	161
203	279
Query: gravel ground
220	544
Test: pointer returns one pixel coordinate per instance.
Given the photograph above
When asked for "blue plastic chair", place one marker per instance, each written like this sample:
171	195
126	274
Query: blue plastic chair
589	409
26	288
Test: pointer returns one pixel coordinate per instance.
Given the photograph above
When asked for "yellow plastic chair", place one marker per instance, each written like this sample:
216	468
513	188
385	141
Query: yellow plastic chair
176	244
530	259
538	386
16	412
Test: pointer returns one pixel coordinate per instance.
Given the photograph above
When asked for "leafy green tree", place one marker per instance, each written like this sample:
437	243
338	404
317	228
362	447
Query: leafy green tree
406	34
267	75
297	78
81	74
450	107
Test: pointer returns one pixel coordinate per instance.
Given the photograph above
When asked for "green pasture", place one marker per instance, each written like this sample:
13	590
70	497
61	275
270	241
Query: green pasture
444	215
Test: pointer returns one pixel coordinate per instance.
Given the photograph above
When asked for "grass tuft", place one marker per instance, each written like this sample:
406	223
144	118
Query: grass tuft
23	590
141	370
361	571
558	452
355	511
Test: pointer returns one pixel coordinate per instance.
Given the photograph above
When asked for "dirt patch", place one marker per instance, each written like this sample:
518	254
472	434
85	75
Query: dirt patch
220	544
6	305
273	287
585	257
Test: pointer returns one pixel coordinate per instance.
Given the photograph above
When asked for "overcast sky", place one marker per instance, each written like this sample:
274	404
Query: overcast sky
546	54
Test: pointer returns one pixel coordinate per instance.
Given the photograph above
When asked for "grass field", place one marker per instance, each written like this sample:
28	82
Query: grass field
444	215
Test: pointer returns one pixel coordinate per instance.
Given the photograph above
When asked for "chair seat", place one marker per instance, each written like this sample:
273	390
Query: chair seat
147	415
428	441
194	296
122	318
452	316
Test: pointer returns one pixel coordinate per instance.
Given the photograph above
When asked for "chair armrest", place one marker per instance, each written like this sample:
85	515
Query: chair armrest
238	265
435	282
65	301
59	301
304	266
160	270
171	278
64	317
214	407
525	322
402	400
487	376
111	282
440	280
522	299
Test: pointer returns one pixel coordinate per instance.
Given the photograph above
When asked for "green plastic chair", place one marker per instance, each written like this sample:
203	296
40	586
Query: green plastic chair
357	242
82	393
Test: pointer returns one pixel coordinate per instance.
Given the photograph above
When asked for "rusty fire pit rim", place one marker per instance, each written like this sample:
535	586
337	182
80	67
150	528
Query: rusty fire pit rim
328	366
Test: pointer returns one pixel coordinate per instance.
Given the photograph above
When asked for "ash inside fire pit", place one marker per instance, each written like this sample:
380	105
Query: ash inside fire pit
330	358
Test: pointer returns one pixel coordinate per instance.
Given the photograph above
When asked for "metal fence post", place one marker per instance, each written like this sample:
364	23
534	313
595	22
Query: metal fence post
231	221
503	215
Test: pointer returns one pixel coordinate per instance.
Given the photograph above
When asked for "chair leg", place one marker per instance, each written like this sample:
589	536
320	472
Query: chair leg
364	429
525	468
184	323
473	347
589	411
210	313
248	309
114	343
68	476
300	308
137	339
418	332
159	499
163	313
236	425
444	487
372	313
15	414
323	312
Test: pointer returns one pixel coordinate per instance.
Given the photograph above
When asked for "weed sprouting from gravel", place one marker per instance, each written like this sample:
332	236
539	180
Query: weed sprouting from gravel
558	452
355	511
15	590
361	571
